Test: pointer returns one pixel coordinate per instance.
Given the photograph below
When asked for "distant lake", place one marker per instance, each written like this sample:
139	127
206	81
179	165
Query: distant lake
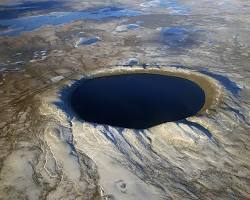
13	22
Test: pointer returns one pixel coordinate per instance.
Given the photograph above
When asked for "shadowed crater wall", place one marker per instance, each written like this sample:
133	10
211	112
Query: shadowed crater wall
136	100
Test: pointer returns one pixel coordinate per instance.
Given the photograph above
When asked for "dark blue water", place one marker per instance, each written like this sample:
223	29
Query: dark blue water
12	11
136	100
15	26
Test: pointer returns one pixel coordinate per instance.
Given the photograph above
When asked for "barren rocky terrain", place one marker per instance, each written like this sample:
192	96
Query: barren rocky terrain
46	152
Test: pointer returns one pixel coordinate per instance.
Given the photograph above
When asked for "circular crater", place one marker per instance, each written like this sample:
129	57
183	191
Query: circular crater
137	100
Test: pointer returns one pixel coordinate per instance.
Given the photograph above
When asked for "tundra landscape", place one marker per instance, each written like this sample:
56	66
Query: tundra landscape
126	100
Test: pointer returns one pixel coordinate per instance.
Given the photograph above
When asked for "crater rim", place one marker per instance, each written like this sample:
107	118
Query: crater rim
210	86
